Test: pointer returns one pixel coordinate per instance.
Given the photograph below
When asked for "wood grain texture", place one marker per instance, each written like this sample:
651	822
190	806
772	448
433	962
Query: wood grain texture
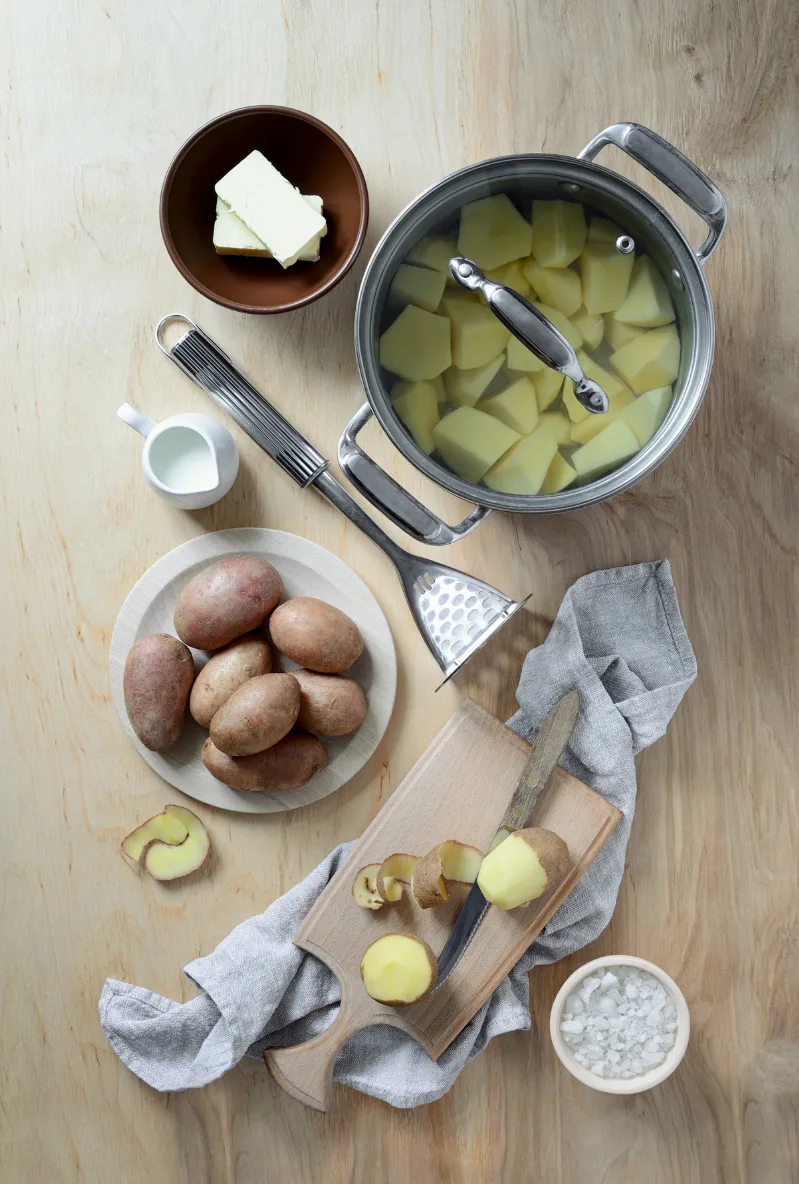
96	99
456	790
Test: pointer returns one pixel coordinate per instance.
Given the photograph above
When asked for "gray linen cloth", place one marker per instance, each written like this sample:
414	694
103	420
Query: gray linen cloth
619	639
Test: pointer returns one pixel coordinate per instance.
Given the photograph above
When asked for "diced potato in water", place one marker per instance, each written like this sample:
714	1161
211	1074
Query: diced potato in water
603	231
548	384
477	335
417	407
559	474
652	360
418	285
493	232
605	273
647	413
558	286
648	302
614	444
559	232
617	334
582	432
522	358
522	470
465	387
557	424
416	345
470	442
561	323
516	406
609	382
434	252
512	276
592	327
438	384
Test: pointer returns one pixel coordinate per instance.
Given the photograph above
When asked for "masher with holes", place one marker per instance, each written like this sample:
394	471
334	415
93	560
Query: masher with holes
456	613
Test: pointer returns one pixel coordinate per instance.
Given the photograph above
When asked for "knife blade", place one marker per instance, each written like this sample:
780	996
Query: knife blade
550	742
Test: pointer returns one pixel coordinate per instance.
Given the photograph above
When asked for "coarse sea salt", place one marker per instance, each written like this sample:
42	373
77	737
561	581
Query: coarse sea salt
620	1023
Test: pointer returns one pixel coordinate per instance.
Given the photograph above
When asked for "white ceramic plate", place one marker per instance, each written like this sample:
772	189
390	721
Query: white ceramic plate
307	570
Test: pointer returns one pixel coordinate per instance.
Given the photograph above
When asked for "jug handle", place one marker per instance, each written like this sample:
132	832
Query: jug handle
135	419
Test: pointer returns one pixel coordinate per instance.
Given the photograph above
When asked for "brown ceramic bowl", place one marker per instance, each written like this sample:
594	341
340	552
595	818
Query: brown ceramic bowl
310	155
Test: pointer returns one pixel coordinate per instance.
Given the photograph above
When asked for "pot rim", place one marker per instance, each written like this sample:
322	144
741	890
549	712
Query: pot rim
684	406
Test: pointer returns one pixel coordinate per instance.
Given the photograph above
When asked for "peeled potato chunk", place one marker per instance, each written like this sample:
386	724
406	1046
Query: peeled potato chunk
559	232
558	286
428	884
561	323
516	406
592	425
512	276
398	970
477	335
434	252
170	845
601	230
548	384
650	361
648	302
364	888
416	346
418	285
605	273
523	468
493	232
618	334
557	424
647	412
592	327
522	359
608	449
522	868
464	387
470	441
460	862
559	474
417	407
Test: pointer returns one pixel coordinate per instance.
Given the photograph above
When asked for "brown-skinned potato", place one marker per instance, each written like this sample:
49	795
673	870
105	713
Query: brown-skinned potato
315	635
287	765
224	673
159	671
226	600
257	715
329	704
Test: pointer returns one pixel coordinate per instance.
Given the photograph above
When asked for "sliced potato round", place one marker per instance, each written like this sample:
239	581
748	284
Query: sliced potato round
459	862
397	869
428	885
364	888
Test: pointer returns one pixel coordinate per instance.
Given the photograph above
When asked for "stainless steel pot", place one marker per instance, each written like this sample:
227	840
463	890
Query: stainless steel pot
605	192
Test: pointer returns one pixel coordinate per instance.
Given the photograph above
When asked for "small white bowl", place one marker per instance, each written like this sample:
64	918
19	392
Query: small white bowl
618	1085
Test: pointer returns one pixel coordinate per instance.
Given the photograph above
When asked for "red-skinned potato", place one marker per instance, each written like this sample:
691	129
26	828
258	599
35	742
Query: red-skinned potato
289	764
224	673
257	715
226	600
329	704
315	635
159	671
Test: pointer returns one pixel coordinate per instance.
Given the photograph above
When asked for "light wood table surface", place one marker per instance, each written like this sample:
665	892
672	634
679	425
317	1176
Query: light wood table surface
96	98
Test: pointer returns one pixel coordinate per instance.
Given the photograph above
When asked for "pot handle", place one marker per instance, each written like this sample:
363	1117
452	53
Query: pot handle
390	498
669	165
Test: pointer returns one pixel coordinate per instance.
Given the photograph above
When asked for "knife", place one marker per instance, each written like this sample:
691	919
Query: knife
549	744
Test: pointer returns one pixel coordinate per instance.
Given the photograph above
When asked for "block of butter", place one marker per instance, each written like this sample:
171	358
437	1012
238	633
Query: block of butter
232	237
271	208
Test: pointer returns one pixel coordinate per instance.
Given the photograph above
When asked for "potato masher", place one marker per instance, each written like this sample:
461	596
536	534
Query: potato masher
455	613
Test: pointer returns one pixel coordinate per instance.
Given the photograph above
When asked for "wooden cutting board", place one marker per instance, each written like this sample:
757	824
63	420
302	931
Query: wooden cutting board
458	789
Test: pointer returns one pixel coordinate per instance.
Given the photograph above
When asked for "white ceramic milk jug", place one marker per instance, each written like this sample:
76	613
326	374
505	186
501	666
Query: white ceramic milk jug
190	460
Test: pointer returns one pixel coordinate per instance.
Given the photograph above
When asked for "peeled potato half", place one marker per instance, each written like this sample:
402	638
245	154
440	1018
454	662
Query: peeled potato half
398	970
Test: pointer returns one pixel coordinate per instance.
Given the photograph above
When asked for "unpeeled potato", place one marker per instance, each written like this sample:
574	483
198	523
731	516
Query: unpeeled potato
316	635
329	704
226	600
224	673
286	765
159	671
257	715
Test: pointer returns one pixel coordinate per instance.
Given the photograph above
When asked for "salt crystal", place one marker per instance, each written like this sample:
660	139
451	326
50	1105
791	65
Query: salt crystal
607	1006
608	980
598	1067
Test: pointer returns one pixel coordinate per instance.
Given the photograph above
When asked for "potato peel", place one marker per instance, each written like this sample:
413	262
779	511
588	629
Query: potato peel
364	888
169	845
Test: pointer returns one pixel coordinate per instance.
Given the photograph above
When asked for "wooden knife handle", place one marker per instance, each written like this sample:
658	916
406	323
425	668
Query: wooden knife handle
305	1071
549	744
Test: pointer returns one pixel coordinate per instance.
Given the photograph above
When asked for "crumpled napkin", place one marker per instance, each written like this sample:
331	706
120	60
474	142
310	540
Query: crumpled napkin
619	639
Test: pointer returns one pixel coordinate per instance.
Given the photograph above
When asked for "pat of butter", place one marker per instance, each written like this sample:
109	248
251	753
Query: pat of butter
271	208
232	237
